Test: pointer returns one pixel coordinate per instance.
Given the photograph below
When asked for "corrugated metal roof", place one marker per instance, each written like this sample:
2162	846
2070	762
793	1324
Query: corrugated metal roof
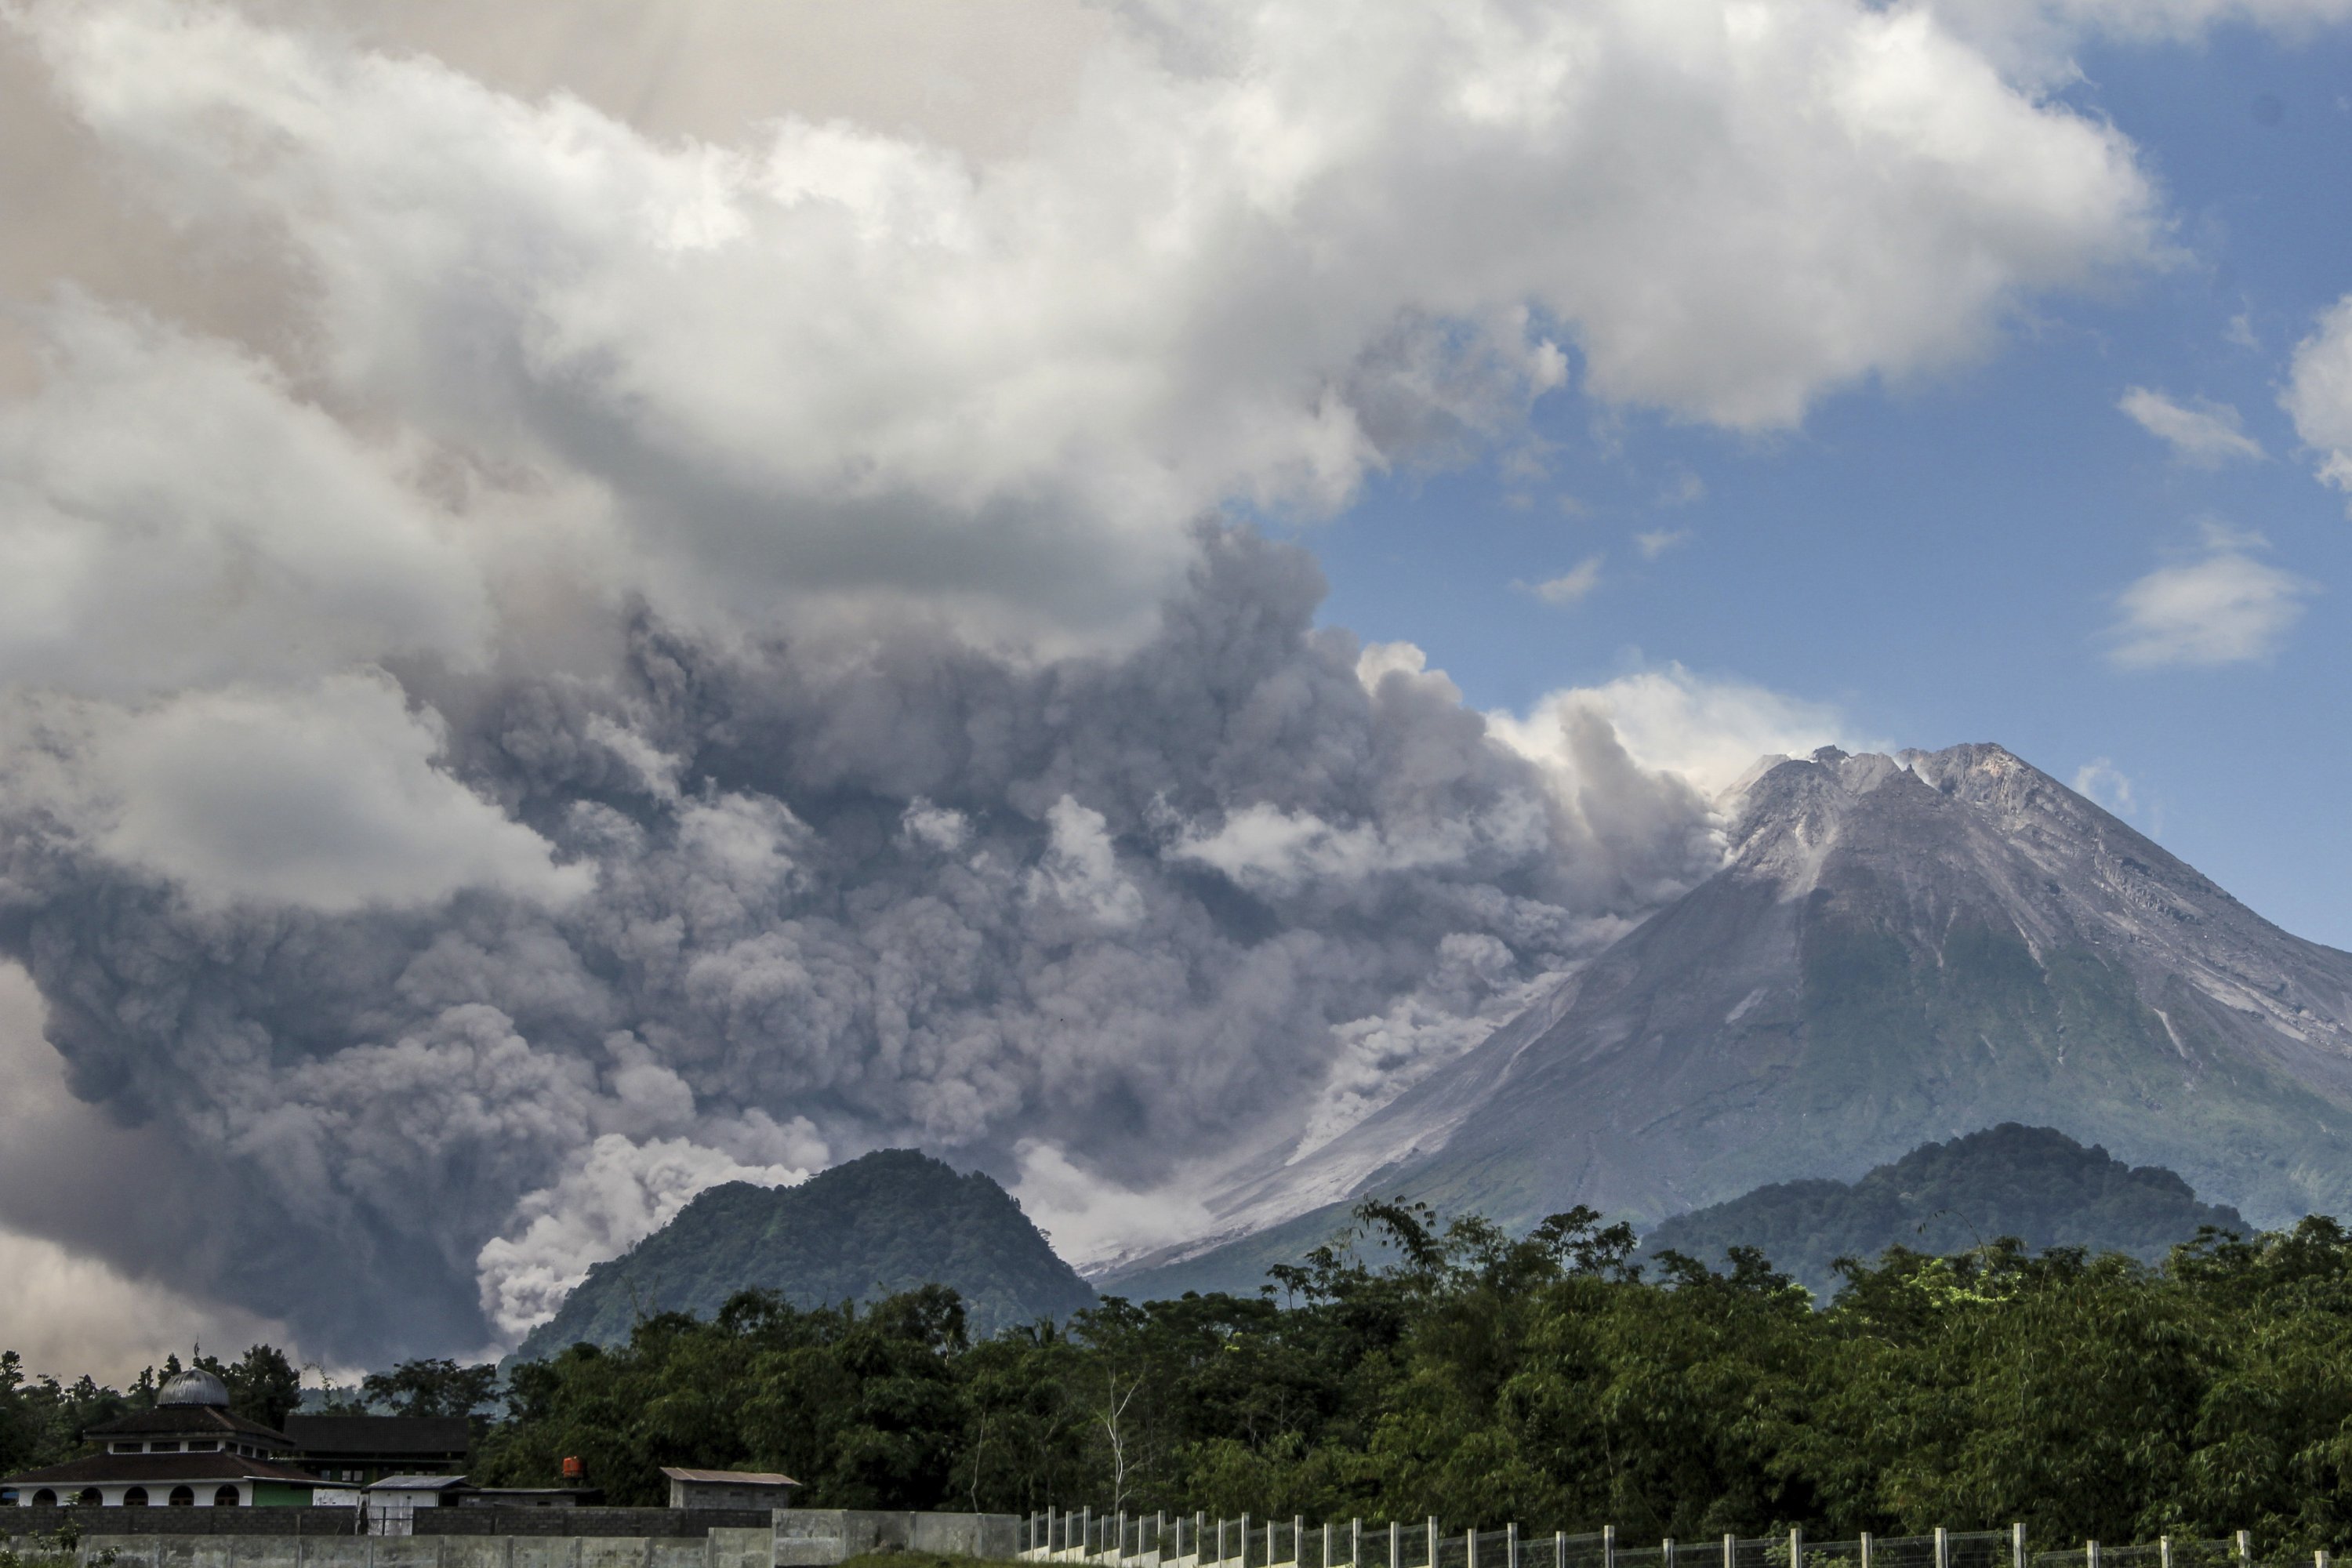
380	1434
414	1484
729	1478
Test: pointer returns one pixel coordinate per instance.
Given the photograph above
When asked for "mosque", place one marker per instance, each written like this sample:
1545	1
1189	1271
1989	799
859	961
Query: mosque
187	1451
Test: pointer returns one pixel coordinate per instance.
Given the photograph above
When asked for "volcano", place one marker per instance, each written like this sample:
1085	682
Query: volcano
1896	949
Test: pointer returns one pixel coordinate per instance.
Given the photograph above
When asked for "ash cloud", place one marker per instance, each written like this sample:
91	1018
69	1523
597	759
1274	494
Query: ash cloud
1130	906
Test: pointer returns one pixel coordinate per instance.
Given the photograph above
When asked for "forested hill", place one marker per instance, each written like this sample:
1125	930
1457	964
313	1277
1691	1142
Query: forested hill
2032	1182
882	1223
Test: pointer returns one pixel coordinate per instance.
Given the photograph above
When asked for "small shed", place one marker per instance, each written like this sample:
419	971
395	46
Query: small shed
728	1488
392	1502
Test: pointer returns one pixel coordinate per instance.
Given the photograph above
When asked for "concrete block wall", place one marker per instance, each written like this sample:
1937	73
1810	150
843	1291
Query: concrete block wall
518	1538
820	1537
27	1520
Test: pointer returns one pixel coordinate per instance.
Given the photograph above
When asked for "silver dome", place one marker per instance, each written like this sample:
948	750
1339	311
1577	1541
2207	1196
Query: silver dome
194	1387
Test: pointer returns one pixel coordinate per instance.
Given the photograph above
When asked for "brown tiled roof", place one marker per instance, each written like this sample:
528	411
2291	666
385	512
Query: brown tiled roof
386	1435
154	1469
173	1420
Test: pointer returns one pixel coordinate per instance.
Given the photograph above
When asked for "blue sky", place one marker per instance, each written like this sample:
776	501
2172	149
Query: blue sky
1942	559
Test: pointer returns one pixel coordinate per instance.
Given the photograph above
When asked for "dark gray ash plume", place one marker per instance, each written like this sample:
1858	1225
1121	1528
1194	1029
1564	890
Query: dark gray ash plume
1126	910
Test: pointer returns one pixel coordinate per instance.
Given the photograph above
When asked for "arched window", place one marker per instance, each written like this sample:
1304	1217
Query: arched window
183	1497
45	1498
135	1498
226	1497
89	1498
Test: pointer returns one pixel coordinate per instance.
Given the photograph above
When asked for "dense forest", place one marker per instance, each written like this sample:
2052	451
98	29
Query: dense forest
1552	1379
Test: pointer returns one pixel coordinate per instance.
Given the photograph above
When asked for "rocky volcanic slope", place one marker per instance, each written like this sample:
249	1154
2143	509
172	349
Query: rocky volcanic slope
1898	949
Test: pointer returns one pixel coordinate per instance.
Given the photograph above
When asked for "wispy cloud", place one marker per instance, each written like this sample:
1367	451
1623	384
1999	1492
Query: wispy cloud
2100	780
1685	489
2318	396
1570	587
1654	543
2223	607
2209	434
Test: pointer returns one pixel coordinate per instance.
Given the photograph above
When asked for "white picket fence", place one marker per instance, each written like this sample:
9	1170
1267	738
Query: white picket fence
1163	1541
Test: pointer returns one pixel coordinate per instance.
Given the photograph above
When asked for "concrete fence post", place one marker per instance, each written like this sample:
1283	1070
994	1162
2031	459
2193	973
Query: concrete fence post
1796	1549
2319	1558
1666	1552
1943	1548
1299	1538
1470	1546
1511	1544
1730	1549
1865	1549
1559	1549
1244	1558
2164	1552
1327	1546
2245	1544
1432	1541
1396	1544
1608	1546
2017	1545
2090	1554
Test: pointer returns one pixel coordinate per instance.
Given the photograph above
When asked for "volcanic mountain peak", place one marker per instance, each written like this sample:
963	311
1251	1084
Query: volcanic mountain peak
1896	949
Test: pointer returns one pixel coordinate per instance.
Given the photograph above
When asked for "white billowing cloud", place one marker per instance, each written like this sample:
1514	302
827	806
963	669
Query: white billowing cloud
615	1193
2208	435
327	797
171	514
1269	850
1654	543
2224	607
2318	396
1571	586
835	362
1707	732
2100	780
1090	1219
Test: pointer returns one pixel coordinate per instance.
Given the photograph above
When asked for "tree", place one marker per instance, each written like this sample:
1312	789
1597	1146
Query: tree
431	1387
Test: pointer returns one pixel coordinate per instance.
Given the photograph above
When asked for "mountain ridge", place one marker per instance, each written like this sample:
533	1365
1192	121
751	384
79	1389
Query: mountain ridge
2033	1184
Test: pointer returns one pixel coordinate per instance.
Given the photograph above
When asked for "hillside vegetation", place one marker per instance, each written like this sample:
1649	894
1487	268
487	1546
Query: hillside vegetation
874	1226
1552	1379
2034	1183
